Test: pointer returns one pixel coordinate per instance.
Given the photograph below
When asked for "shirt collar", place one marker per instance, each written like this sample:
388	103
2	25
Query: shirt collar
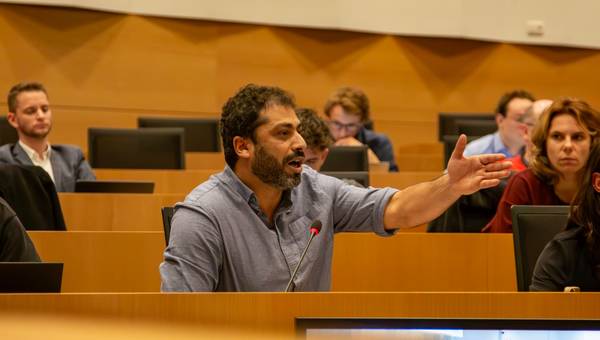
231	179
498	146
33	154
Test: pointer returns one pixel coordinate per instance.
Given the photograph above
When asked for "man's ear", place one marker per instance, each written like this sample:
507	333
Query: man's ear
499	118
324	154
596	181
243	147
12	119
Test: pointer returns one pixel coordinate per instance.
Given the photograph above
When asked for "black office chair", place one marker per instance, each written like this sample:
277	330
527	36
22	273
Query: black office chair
149	148
8	134
200	134
347	158
533	227
477	124
167	216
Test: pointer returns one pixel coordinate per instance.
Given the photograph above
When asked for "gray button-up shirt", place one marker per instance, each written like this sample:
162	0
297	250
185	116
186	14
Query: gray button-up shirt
221	241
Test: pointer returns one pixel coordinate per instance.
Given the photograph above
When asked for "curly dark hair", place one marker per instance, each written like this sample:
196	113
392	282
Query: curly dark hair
240	116
17	89
313	129
507	97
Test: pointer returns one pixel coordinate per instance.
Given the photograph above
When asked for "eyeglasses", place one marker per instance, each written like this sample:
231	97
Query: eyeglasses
340	126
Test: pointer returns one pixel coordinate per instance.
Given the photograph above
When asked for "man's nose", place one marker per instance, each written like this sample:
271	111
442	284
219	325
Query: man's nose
299	142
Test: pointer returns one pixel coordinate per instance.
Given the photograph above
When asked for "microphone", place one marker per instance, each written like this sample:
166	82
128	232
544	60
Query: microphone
314	230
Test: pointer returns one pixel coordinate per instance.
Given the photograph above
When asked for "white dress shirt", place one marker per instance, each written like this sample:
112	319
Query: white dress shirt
43	162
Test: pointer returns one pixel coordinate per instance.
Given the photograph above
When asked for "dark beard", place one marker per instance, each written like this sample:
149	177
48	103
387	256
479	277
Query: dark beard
270	171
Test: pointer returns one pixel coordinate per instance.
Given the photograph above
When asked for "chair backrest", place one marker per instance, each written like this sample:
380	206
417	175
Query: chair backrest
8	134
533	227
476	124
149	148
200	134
167	216
362	177
347	158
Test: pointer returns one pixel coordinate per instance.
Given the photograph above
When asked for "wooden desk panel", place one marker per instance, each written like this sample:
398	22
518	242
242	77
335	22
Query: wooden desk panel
165	181
104	261
128	261
276	312
115	211
183	181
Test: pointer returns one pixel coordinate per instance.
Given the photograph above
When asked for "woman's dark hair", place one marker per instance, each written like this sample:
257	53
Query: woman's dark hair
241	113
585	208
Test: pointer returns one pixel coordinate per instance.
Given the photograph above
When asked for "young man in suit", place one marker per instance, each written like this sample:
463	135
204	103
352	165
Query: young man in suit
30	114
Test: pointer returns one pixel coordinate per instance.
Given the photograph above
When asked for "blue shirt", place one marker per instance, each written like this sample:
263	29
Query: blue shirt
221	240
380	145
491	143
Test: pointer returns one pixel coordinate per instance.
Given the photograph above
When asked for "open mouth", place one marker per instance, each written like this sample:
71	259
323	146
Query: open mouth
296	164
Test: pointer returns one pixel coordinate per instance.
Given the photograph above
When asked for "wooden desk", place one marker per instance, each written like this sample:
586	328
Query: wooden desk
183	181
128	261
115	211
276	312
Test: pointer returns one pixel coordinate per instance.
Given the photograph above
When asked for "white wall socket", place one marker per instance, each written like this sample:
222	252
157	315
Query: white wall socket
535	28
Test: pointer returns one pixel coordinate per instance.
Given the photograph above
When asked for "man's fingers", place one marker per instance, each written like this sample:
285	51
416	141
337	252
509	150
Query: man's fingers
491	158
488	183
497	166
496	174
459	148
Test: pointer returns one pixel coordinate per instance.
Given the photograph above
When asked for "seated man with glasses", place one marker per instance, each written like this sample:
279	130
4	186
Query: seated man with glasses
348	110
508	139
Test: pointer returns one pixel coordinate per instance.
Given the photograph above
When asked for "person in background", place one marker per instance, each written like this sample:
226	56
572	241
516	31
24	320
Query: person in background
572	258
348	110
508	140
561	147
317	136
15	244
529	121
29	112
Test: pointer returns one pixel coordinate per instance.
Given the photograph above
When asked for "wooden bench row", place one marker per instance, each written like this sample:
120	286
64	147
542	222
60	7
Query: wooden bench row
129	261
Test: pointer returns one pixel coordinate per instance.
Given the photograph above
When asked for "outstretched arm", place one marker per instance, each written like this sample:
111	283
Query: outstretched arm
423	202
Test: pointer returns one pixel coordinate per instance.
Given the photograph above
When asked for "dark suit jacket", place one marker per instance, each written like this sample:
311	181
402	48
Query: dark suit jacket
68	164
31	194
15	244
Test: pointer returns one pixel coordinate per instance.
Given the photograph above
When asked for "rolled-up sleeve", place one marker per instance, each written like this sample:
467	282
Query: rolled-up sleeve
360	209
194	255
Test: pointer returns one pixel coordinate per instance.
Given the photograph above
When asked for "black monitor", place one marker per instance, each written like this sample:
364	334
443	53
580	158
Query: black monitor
30	277
8	134
533	227
448	329
149	148
347	158
114	186
362	177
200	134
472	124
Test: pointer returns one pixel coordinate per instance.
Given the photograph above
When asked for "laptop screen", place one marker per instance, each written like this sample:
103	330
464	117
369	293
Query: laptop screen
447	329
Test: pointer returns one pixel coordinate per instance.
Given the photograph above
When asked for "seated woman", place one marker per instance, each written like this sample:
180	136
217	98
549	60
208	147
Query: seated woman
561	147
572	258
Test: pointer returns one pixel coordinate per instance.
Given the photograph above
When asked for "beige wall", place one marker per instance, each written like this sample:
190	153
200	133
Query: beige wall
105	69
566	23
